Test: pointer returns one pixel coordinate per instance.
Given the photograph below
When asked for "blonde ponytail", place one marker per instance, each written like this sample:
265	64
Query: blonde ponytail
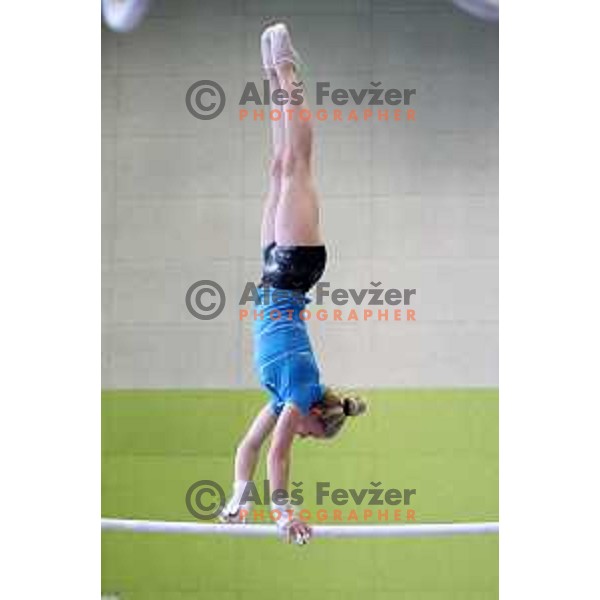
336	406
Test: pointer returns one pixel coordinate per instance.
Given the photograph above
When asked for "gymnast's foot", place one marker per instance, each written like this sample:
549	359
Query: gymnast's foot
265	51
282	51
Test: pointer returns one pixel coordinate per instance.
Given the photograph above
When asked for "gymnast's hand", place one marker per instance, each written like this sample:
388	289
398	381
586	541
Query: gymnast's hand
297	532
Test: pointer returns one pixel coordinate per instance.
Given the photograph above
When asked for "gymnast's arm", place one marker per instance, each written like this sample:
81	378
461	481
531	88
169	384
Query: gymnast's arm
246	459
278	469
248	450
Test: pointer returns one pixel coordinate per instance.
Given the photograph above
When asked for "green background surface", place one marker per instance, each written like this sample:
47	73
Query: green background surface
443	443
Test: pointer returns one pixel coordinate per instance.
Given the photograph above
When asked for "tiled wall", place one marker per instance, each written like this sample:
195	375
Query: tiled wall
409	204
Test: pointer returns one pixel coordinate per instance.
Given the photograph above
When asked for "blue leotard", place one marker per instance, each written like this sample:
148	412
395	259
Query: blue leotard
283	355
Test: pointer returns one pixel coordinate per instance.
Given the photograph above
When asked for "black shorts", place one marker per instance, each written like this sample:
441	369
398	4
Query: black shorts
293	267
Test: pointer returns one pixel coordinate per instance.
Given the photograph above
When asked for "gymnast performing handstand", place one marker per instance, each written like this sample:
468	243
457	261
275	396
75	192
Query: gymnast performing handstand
294	258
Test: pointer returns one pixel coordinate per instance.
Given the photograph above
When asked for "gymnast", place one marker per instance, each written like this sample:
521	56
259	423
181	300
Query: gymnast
294	259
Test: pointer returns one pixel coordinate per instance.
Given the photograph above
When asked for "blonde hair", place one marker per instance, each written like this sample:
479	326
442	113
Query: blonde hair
336	406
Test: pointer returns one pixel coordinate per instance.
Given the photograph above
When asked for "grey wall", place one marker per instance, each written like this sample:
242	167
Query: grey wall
411	205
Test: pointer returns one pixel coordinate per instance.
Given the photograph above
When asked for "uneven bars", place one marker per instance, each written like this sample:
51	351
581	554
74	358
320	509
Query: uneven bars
321	531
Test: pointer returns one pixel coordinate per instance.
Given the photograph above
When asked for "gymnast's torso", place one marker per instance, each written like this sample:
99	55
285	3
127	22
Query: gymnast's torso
283	354
278	326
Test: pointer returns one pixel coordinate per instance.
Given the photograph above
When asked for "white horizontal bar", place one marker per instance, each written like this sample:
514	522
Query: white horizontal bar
321	531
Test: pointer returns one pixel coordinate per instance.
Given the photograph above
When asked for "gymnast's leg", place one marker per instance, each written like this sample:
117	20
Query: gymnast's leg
267	233
297	214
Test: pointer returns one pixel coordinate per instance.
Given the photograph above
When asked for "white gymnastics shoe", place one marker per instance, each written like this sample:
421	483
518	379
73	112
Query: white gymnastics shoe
265	52
282	51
